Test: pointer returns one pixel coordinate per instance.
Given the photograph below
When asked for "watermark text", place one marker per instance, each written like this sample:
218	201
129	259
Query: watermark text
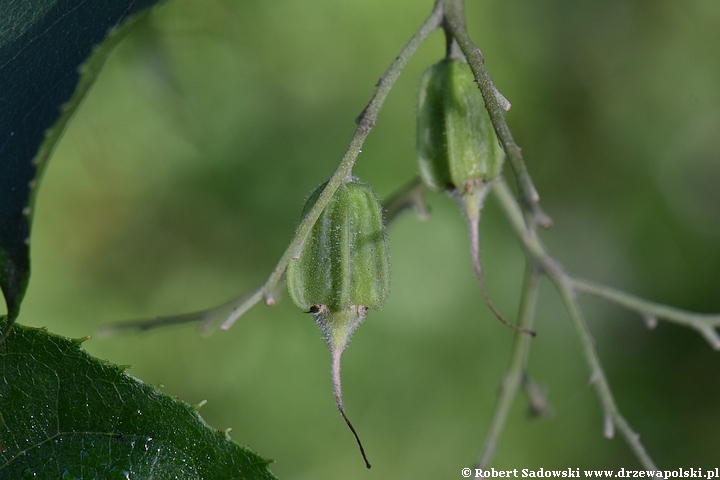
706	474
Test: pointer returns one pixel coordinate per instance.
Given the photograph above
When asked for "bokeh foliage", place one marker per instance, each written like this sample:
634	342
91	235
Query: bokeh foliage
182	178
45	56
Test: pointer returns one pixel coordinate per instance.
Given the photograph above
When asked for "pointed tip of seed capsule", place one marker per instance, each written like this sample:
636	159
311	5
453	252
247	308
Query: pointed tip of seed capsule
337	327
471	201
337	390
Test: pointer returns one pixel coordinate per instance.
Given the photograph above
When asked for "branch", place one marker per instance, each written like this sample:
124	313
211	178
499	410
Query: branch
613	417
515	374
410	197
231	309
565	285
706	324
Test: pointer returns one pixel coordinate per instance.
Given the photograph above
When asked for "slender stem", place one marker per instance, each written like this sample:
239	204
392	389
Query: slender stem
410	197
208	318
528	236
565	286
455	26
706	324
515	374
245	303
598	379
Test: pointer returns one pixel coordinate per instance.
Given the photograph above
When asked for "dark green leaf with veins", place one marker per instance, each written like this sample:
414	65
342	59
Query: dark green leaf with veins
65	414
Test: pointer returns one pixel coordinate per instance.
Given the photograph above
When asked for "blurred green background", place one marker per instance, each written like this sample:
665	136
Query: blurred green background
181	180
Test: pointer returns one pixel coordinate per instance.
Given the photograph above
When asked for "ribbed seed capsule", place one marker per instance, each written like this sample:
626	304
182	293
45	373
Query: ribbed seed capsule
342	270
458	151
456	142
344	260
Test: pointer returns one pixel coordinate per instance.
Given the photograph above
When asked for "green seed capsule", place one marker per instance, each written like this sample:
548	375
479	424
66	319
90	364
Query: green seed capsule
342	270
458	151
344	260
456	143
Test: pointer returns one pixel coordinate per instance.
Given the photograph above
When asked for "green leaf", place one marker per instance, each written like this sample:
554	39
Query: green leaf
65	414
45	73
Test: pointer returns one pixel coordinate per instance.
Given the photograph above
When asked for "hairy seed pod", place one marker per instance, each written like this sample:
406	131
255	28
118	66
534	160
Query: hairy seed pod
458	151
344	260
456	143
342	270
